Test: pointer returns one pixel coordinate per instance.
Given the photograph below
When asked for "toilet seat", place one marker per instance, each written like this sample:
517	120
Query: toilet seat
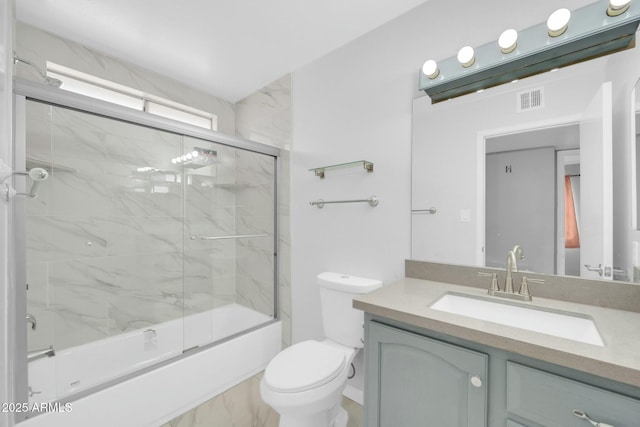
304	366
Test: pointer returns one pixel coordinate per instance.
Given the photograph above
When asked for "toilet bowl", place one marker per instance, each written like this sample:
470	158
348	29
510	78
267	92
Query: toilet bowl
304	382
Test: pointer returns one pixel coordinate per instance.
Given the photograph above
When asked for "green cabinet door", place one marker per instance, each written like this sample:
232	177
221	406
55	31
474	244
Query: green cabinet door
416	381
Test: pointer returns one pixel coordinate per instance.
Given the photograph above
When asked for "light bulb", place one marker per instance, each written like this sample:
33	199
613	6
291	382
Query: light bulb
194	153
465	56
188	156
183	158
430	69
558	22
508	40
618	7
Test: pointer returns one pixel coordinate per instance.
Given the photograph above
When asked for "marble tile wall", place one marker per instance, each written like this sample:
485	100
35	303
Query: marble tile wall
114	238
265	117
104	240
255	215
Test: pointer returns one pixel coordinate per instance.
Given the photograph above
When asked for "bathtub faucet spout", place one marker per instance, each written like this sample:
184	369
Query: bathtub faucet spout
39	354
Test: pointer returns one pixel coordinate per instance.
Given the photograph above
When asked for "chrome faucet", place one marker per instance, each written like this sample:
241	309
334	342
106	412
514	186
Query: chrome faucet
519	253
512	266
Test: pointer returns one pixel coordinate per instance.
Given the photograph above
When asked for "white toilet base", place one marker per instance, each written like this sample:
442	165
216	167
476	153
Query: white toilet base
336	417
342	418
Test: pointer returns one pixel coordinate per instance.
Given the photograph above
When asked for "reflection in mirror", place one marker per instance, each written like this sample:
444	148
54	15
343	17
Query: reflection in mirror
527	202
635	178
636	150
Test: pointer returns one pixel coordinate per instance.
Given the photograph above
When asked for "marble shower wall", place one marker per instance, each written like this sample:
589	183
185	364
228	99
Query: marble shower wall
255	216
108	237
265	117
205	262
104	240
114	240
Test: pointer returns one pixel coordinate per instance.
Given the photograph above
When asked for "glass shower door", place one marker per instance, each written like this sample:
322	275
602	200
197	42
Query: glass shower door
229	240
104	244
142	244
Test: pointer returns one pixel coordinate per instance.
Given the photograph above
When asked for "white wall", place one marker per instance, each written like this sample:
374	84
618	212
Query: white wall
6	88
355	103
448	168
624	70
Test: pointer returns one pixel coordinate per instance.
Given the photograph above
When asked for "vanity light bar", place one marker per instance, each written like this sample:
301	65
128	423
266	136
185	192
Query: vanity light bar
599	29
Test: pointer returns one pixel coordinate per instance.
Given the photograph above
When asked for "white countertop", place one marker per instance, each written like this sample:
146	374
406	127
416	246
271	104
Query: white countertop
408	301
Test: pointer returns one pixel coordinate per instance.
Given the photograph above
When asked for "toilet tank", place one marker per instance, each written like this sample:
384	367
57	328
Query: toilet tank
342	323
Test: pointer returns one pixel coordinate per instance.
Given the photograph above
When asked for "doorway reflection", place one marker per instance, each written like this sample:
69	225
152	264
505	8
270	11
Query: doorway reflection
525	199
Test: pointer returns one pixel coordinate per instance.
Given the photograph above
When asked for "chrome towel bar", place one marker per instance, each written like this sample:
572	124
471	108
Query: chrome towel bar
429	211
238	236
373	201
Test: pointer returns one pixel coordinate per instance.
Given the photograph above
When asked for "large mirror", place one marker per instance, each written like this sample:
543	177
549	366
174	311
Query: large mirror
635	182
635	153
500	175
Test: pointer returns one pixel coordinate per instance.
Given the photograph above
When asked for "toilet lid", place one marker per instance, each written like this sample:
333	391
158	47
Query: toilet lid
303	366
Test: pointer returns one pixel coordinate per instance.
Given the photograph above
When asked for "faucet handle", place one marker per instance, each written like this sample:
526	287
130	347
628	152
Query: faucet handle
32	319
494	280
524	287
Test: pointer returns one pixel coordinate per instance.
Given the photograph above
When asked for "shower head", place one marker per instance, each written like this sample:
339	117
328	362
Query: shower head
38	174
48	80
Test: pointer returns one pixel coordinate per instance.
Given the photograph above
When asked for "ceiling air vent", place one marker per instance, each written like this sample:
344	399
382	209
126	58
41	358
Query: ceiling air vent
530	100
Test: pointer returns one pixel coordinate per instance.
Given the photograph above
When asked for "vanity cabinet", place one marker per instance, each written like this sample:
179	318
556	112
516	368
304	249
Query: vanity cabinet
548	400
418	381
418	378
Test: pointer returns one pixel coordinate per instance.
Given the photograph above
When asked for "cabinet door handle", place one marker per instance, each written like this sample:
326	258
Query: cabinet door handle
476	381
583	415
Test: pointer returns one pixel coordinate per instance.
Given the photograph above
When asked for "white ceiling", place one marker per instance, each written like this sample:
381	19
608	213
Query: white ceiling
229	48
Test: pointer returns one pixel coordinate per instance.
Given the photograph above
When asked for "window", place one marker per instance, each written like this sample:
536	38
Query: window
105	90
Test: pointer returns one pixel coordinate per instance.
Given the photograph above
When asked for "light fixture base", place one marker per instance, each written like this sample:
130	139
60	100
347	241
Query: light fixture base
591	34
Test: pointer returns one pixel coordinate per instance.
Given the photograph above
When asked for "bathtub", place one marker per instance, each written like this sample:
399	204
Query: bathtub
157	396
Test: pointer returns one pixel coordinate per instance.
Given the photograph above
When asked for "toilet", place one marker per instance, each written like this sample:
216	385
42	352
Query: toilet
304	382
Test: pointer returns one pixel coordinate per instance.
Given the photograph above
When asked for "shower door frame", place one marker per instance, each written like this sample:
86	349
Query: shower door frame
28	90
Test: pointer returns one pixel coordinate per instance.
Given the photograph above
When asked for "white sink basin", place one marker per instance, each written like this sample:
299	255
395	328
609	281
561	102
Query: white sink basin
573	326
